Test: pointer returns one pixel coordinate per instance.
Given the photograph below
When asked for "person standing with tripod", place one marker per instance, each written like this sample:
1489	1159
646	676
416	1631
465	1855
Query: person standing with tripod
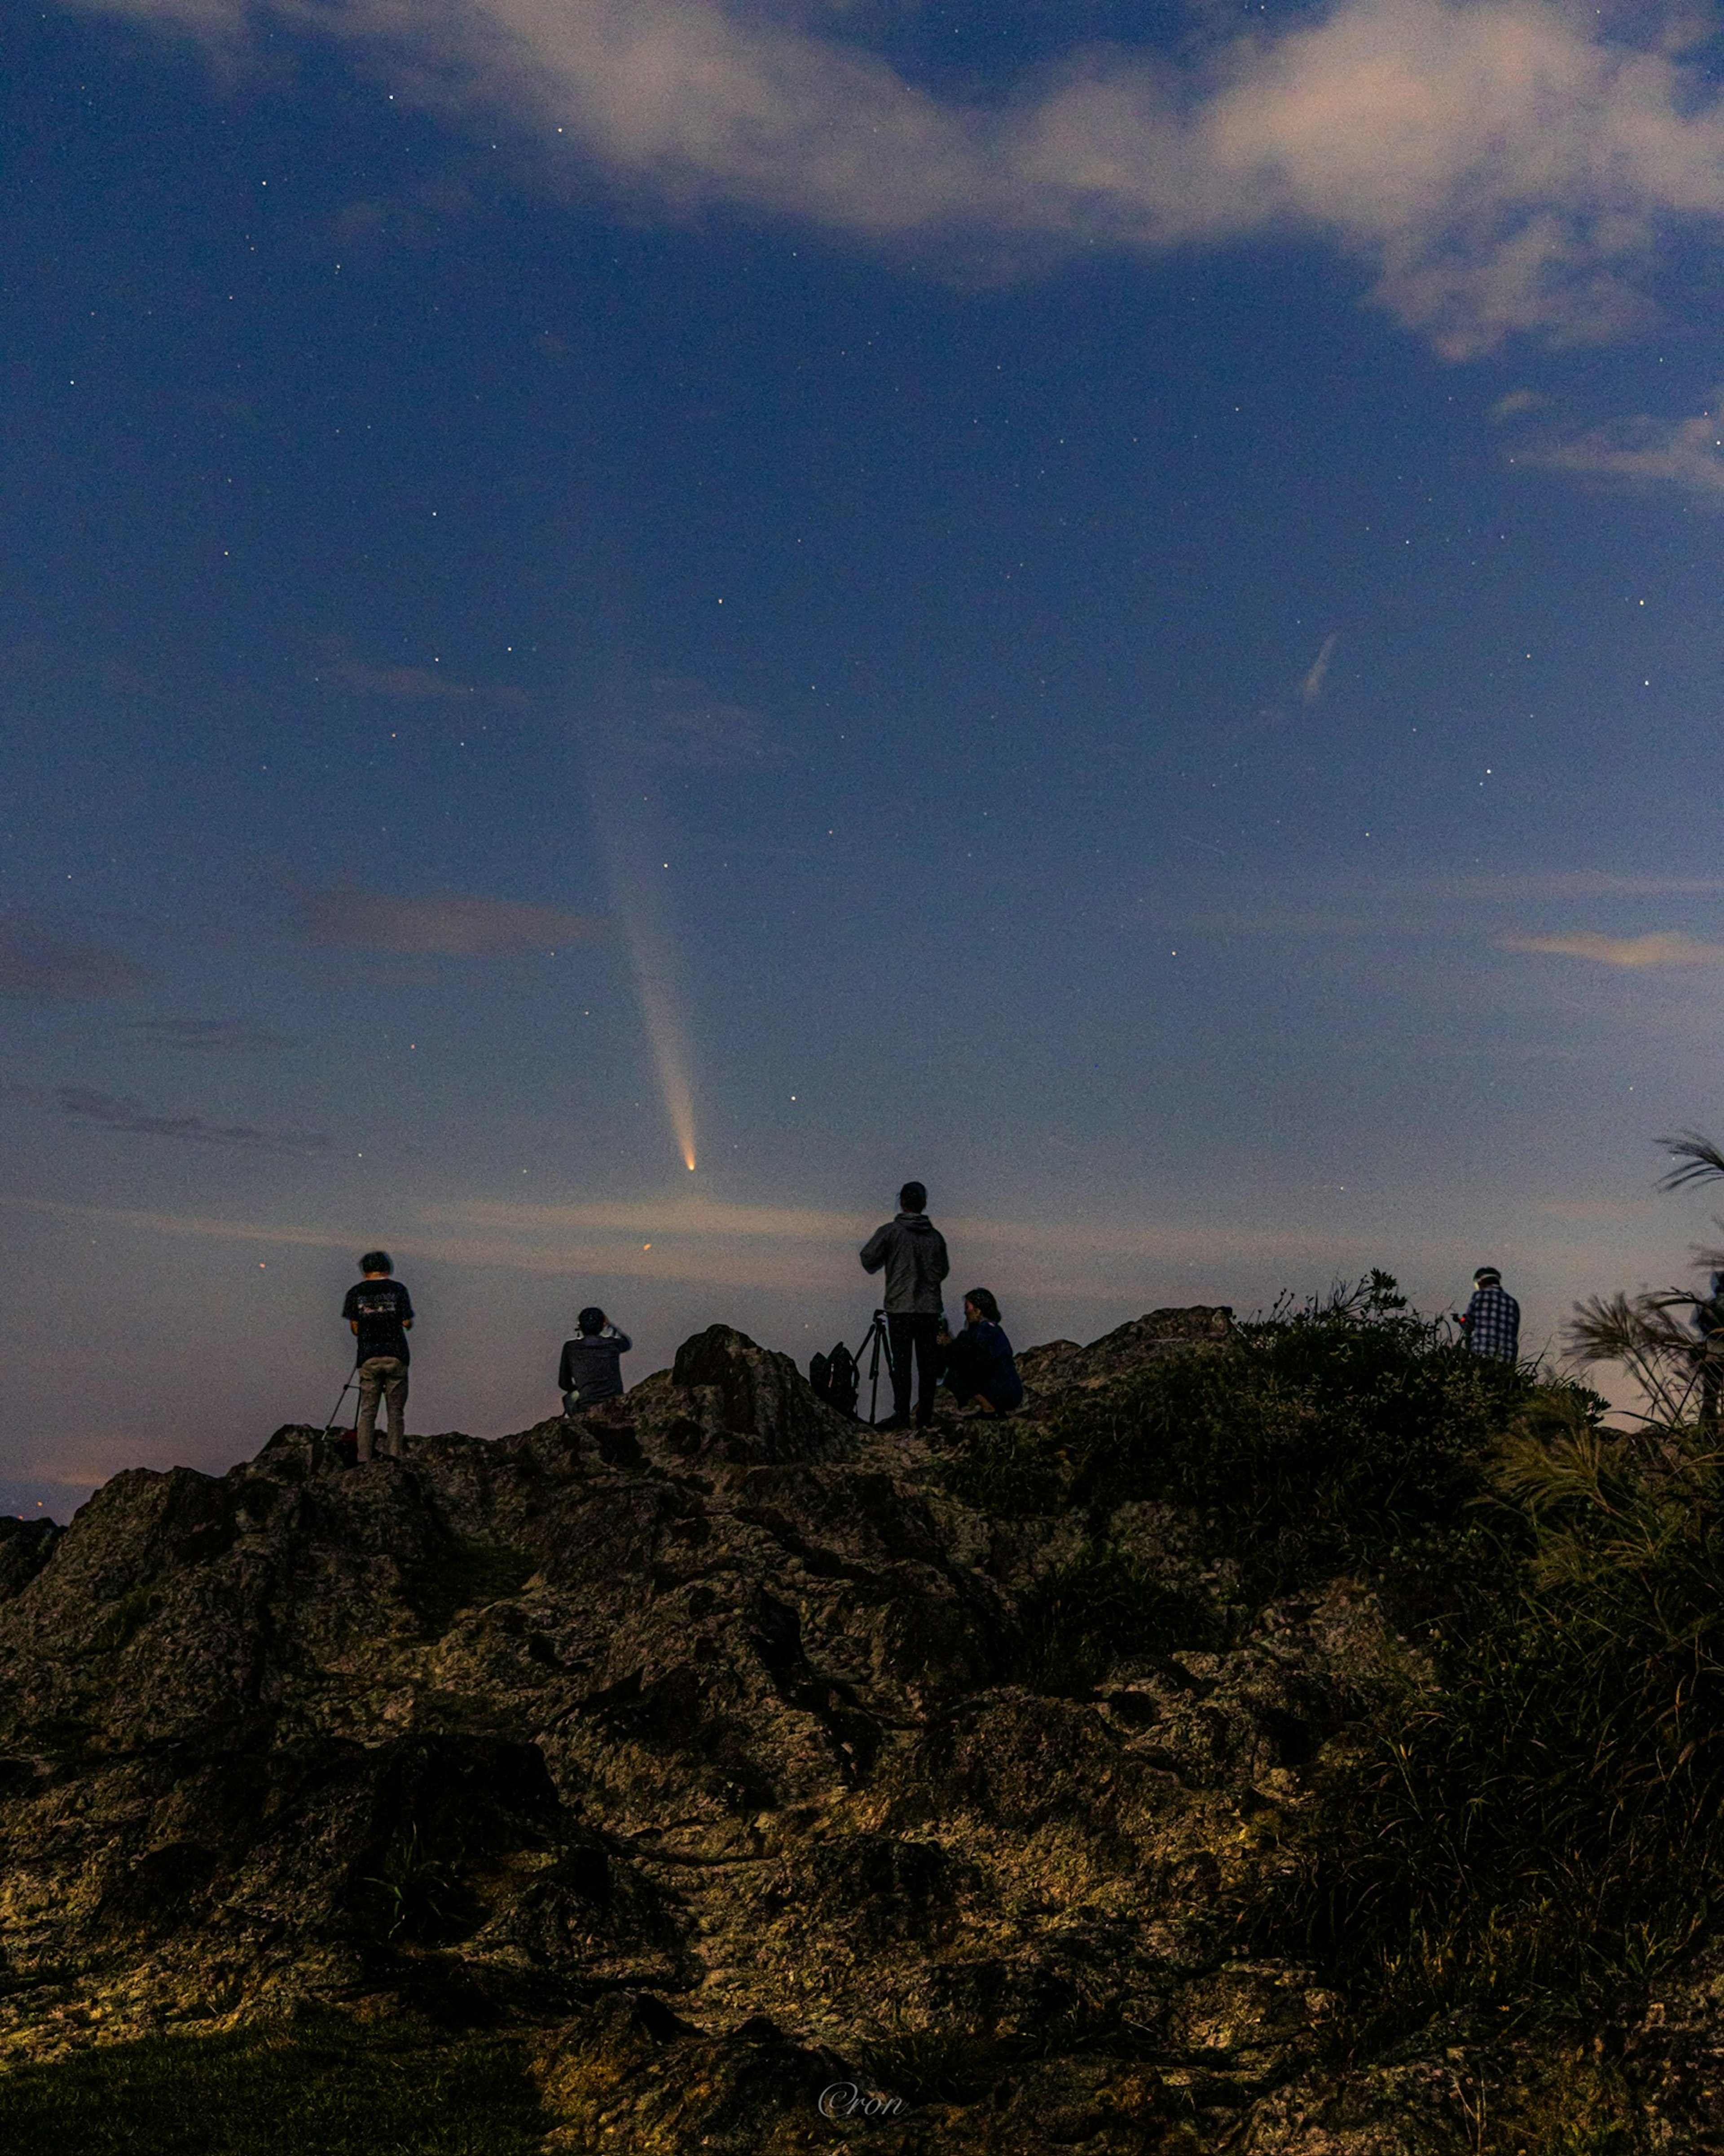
380	1312
912	1252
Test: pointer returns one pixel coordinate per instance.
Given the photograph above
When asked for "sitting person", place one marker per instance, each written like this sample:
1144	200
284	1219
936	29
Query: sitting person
590	1368
980	1372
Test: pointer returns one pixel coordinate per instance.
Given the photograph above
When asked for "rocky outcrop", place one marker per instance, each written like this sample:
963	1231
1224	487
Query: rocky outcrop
694	1732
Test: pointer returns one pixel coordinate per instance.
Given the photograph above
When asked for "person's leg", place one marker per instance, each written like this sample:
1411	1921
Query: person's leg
900	1333
930	1360
395	1392
959	1376
371	1385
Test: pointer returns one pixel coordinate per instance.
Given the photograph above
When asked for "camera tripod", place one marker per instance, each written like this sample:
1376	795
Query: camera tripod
880	1341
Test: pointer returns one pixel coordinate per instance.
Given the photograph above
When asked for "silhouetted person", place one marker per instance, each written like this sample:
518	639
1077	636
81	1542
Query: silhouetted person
592	1366
381	1312
980	1371
911	1251
1709	1323
1492	1322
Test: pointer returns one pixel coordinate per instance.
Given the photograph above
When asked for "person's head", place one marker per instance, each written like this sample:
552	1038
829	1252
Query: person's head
979	1304
377	1265
913	1197
591	1319
1487	1277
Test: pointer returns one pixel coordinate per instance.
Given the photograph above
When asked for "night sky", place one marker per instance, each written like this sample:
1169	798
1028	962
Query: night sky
1115	609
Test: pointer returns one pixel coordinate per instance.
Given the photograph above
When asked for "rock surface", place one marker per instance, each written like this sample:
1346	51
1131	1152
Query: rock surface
691	1730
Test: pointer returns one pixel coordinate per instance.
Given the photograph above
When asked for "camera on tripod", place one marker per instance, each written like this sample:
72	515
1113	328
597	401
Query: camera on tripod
837	1377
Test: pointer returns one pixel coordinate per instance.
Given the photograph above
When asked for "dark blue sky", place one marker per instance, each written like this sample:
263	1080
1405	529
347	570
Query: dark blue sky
1180	710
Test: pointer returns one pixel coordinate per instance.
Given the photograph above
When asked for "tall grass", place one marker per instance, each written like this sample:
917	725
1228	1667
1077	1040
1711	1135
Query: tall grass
1545	1824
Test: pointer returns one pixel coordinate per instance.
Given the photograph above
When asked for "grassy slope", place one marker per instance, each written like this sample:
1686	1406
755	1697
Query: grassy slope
325	2088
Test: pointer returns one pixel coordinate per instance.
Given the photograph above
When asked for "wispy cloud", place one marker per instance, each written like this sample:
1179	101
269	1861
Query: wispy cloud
1500	166
804	1250
445	924
114	1111
39	965
1641	454
1662	947
1312	687
209	1036
677	721
417	682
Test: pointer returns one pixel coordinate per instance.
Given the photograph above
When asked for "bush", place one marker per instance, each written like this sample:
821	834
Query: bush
1103	1608
1312	1443
1548	1821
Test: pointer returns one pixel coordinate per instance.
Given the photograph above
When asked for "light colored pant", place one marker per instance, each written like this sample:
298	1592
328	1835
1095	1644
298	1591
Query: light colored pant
384	1374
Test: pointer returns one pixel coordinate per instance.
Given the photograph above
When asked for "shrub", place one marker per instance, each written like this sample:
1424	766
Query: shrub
1103	1608
1547	1821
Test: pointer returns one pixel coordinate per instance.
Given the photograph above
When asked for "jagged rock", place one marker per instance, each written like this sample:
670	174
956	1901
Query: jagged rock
688	1729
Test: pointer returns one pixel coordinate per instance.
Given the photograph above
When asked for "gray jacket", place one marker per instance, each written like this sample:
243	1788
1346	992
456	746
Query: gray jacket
912	1252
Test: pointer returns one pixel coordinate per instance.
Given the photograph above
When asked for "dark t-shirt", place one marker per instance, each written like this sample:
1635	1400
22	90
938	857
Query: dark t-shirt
381	1309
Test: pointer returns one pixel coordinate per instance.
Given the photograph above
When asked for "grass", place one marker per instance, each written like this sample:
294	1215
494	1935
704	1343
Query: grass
304	2088
1547	1825
1102	1608
1311	1443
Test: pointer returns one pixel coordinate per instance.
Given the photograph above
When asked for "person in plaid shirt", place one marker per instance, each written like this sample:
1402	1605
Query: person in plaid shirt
1492	1322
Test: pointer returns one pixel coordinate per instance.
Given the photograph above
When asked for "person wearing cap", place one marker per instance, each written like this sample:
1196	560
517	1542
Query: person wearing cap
380	1312
592	1366
1492	1321
980	1374
1709	1323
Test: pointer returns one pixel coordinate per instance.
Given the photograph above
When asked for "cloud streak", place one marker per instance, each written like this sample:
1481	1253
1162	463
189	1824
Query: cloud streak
1498	166
418	684
120	1112
713	1245
1662	947
445	924
1641	454
1313	686
39	965
228	1036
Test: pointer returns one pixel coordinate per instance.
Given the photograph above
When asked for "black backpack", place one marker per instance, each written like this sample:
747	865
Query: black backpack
835	1378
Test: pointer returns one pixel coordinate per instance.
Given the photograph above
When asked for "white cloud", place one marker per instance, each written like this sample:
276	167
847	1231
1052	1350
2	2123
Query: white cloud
1500	166
1643	452
1662	947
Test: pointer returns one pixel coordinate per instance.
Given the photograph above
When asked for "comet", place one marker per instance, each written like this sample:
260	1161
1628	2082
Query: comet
639	866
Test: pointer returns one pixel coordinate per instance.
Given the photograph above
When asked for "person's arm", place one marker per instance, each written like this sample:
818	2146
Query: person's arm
874	1251
620	1340
565	1378
940	1264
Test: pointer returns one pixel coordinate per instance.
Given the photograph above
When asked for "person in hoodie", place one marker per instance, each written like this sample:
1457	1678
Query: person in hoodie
592	1366
912	1252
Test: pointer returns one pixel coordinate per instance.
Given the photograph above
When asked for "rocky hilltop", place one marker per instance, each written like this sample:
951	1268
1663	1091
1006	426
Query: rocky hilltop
722	1743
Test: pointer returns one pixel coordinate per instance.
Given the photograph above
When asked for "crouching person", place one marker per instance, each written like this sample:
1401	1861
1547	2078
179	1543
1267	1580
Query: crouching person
981	1373
380	1312
592	1366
